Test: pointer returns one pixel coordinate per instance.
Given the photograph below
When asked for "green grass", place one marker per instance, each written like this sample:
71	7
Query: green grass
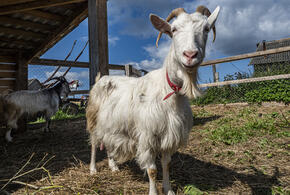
235	129
59	115
192	190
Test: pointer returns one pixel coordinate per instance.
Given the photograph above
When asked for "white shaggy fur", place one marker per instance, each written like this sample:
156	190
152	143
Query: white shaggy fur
129	116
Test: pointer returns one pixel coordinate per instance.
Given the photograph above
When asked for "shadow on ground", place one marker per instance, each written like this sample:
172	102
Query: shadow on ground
69	144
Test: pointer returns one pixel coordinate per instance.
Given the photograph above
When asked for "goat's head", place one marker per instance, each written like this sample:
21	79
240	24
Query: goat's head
189	33
64	89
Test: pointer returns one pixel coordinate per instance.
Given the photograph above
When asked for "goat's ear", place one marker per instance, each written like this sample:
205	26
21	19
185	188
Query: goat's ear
212	18
160	24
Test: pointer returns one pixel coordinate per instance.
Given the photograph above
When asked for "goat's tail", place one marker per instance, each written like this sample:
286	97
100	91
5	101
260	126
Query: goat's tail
93	106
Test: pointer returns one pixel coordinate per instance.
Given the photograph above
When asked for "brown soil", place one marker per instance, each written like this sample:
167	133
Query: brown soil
212	167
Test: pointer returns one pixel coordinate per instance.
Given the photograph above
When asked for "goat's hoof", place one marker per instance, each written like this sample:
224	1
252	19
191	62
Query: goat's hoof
115	169
170	192
93	171
9	138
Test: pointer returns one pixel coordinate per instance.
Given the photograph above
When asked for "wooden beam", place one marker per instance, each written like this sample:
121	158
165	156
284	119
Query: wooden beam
116	67
67	25
79	92
7	67
267	78
4	75
23	33
9	9
7	59
13	2
245	56
26	24
98	38
7	82
49	62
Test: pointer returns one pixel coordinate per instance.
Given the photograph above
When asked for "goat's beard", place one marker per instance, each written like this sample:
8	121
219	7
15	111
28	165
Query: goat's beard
190	88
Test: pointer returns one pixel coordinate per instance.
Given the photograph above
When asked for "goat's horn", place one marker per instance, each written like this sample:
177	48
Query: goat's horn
205	11
174	13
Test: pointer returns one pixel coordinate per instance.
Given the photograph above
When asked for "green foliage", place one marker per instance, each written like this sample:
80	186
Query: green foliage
192	190
256	92
59	115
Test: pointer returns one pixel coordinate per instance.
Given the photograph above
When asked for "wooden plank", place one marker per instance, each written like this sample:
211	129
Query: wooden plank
267	78
7	67
9	59
26	24
80	92
116	67
98	38
44	15
49	62
245	56
13	2
67	25
7	75
7	83
128	70
23	33
136	72
9	9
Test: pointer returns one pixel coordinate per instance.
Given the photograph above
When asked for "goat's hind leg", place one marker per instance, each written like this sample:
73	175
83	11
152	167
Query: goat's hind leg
93	169
112	164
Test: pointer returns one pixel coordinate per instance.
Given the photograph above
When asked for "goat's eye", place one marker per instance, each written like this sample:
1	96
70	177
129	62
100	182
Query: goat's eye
174	30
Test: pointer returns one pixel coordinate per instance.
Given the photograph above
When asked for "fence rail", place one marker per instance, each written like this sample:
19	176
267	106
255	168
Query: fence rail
131	71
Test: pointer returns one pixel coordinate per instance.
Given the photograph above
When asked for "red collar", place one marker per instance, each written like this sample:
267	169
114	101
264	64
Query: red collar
174	87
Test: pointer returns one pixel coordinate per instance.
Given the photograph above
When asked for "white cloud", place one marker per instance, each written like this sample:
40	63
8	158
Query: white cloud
82	75
113	40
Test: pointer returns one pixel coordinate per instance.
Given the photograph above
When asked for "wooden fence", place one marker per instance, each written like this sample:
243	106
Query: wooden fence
130	71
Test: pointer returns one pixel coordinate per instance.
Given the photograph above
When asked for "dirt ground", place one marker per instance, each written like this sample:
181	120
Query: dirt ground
57	162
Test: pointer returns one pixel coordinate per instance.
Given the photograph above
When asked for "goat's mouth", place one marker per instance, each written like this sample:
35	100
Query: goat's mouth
190	65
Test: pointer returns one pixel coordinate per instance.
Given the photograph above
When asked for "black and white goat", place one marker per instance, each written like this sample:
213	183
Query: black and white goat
45	101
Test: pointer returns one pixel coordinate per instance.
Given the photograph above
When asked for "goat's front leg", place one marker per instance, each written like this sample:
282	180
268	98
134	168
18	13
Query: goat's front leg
8	136
165	160
47	124
152	174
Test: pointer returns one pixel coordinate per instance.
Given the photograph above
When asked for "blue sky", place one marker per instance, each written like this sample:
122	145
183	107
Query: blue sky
241	24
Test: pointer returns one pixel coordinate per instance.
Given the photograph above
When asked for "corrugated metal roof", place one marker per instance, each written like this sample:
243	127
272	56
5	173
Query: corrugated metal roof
273	58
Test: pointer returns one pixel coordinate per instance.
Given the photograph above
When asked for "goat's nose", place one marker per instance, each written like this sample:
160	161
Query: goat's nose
190	54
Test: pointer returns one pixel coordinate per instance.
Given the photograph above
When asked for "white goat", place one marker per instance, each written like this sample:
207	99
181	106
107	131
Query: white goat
143	117
31	102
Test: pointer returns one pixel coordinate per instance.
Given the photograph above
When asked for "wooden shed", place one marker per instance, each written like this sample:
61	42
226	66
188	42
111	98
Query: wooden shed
269	62
28	28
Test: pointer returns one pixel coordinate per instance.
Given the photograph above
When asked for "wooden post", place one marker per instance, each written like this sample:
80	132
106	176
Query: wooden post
21	84
215	74
98	38
128	70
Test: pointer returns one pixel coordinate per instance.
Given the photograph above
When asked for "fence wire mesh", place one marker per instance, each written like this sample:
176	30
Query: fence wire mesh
251	92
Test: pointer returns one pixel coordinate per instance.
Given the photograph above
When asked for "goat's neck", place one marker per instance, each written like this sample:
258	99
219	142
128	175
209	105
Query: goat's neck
180	77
